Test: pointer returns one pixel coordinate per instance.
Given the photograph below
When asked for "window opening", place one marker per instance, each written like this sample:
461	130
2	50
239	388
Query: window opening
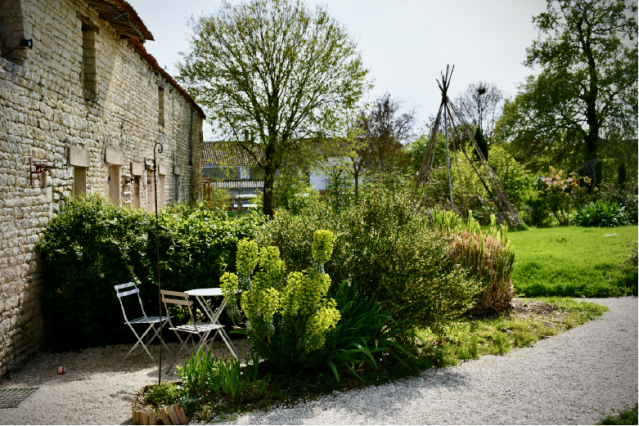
89	59
136	192
161	190
127	190
150	191
160	106
114	184
79	181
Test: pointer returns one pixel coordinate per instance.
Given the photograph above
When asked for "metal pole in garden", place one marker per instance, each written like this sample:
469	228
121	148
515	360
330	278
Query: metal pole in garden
157	251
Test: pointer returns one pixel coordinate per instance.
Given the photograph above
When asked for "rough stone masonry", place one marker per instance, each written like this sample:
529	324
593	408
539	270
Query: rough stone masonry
83	102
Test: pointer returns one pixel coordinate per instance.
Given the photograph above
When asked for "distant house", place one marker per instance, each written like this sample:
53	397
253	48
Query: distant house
225	165
228	166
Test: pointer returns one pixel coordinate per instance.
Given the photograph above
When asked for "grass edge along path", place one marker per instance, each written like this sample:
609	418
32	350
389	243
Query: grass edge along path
628	417
529	321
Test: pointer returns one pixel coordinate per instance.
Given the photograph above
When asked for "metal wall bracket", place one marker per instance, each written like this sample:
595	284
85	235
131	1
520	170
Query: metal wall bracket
37	168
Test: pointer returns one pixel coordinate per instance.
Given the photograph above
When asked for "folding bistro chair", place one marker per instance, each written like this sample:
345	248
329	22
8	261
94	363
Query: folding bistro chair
151	321
201	329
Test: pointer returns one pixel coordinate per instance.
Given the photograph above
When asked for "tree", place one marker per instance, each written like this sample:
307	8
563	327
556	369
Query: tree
384	129
375	141
479	106
586	91
277	71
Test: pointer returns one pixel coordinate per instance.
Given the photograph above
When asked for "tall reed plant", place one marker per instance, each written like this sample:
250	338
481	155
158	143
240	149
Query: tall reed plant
488	254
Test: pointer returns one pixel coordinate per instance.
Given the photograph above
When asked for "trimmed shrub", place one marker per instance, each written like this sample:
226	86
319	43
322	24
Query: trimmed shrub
92	245
386	251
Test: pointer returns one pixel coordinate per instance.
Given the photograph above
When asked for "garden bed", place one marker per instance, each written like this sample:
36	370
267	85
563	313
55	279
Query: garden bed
523	324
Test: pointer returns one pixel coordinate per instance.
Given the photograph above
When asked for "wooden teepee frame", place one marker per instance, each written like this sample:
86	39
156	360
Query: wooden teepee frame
424	176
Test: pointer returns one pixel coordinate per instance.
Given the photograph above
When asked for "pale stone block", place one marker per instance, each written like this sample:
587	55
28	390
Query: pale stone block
177	170
78	157
137	169
114	156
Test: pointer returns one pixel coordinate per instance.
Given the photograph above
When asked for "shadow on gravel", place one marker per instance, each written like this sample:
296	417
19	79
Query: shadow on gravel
378	402
84	364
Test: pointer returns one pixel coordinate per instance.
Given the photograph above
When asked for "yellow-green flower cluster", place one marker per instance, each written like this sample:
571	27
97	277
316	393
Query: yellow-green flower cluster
246	257
322	246
318	325
300	295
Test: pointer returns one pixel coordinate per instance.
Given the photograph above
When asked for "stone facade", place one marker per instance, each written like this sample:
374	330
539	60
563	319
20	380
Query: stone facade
89	103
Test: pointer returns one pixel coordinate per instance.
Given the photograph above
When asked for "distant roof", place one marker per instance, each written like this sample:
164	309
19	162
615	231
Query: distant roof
238	184
226	154
122	17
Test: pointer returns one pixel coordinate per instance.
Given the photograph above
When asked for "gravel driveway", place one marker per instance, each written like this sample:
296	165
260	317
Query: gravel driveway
571	378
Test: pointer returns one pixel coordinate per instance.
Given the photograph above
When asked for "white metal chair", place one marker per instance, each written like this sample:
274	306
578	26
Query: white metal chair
201	329
151	321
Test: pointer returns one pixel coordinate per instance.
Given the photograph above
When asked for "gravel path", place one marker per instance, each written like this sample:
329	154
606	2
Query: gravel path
97	388
570	378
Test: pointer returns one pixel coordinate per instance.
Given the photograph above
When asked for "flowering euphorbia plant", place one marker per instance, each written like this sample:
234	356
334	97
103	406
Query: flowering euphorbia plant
287	317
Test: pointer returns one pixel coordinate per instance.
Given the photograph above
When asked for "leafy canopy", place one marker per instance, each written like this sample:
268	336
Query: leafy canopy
587	87
277	71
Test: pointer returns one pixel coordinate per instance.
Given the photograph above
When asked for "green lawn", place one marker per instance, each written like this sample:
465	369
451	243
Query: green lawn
573	261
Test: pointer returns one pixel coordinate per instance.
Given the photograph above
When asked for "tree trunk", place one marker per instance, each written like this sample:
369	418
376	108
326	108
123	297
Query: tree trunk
356	175
269	201
592	137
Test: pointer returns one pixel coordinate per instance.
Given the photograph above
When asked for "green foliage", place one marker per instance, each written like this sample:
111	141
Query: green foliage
474	336
622	174
517	181
573	262
481	143
366	334
630	264
487	254
628	417
386	251
286	318
563	194
164	394
625	196
598	173
536	212
600	214
417	148
240	46
92	245
586	89
204	373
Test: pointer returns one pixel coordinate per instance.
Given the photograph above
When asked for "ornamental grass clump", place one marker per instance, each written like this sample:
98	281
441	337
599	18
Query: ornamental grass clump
487	254
601	214
287	317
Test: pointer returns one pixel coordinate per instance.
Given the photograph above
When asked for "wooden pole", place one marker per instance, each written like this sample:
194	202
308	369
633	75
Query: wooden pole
450	184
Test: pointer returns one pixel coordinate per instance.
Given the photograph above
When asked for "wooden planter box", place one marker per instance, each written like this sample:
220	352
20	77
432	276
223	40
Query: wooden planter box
172	415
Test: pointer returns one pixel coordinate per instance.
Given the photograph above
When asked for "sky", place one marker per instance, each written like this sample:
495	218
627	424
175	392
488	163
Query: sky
404	43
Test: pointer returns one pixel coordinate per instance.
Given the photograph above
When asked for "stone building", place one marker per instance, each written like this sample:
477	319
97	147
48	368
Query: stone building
82	104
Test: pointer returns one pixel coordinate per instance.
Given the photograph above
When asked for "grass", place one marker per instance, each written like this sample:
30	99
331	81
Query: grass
628	417
530	322
573	262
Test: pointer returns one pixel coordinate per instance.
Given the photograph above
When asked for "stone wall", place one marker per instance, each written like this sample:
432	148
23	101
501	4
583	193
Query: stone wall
48	115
